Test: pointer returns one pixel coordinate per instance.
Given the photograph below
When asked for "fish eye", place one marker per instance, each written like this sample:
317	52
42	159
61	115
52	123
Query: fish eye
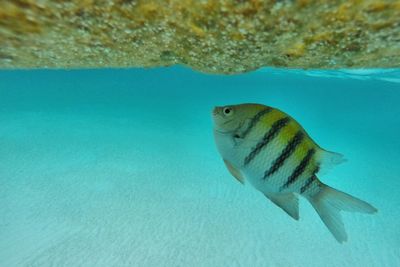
227	111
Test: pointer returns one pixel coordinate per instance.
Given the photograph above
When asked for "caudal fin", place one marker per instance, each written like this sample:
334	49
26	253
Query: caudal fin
328	203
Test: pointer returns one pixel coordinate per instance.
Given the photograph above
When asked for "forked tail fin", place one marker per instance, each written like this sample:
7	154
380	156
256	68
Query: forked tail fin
328	203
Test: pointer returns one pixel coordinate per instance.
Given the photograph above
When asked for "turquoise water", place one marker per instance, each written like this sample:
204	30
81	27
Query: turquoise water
119	168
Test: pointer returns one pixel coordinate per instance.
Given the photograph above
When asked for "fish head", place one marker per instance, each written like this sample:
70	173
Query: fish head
230	118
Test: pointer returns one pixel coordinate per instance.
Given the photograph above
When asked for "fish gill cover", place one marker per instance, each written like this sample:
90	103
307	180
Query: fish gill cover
215	36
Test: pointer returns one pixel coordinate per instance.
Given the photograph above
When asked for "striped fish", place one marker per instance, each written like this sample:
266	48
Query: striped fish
268	148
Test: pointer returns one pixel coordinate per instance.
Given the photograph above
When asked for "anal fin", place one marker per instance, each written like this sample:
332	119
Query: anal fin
235	172
288	202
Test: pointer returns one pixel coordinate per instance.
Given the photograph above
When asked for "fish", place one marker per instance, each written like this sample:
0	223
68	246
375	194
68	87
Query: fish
269	149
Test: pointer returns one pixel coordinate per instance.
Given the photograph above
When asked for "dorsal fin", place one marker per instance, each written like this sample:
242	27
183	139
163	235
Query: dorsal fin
288	202
328	160
235	172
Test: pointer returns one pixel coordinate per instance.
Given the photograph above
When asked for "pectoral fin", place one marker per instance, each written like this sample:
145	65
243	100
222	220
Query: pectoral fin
288	202
235	172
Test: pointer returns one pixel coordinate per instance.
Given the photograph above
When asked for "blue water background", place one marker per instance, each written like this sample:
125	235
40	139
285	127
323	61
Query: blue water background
119	168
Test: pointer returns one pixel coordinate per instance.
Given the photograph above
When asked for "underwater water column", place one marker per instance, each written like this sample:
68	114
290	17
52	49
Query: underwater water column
119	168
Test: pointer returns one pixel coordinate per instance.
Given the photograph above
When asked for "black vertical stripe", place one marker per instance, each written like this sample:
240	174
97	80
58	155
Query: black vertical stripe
299	169
309	181
255	120
307	184
286	152
271	134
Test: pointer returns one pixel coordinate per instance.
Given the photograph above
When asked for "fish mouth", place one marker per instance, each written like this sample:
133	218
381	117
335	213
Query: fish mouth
215	111
227	122
222	131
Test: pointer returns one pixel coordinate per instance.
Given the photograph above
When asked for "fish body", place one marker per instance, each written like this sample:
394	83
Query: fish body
272	151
